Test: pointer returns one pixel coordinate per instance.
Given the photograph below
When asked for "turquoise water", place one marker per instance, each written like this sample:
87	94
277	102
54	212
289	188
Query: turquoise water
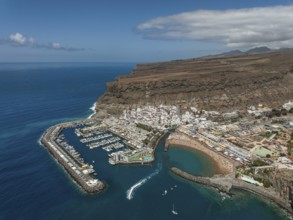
191	161
33	186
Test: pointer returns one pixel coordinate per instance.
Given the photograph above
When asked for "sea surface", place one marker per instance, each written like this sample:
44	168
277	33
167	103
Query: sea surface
33	185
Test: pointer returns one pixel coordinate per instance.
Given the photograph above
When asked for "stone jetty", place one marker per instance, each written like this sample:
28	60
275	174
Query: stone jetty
225	183
84	180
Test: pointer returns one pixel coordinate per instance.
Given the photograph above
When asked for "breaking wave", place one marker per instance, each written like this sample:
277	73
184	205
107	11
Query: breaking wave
93	108
130	192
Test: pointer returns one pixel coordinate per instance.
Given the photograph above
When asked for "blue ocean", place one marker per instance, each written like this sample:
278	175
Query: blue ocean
34	96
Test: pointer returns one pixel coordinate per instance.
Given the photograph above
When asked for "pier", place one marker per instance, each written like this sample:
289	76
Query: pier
78	171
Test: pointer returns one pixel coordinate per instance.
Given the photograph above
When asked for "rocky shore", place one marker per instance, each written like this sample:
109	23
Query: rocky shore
222	183
225	183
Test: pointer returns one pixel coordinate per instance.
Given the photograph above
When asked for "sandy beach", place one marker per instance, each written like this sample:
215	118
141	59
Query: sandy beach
222	165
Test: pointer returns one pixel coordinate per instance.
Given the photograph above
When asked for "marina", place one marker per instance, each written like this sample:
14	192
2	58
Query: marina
83	173
103	142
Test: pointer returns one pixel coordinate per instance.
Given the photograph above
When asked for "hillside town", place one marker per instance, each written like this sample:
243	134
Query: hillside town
262	134
250	146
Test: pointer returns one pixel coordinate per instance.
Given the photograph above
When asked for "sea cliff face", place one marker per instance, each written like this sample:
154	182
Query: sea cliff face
221	84
282	181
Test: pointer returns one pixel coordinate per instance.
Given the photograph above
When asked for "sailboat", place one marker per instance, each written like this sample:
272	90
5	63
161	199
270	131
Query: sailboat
173	211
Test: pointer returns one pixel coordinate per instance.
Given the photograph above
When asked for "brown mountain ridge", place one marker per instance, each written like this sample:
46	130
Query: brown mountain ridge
218	83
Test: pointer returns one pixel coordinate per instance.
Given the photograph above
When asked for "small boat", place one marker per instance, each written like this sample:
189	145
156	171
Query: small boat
173	211
165	193
171	188
93	161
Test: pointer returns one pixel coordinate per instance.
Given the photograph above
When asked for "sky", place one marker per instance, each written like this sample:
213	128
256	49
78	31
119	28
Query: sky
138	31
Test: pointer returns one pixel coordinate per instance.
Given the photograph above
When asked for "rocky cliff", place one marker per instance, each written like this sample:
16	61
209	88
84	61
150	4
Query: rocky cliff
221	84
282	181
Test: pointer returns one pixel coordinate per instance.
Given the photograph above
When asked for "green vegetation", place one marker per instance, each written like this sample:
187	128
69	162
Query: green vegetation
291	110
144	127
262	152
290	147
154	140
146	141
258	163
269	134
267	171
266	183
277	113
284	111
268	156
258	117
248	172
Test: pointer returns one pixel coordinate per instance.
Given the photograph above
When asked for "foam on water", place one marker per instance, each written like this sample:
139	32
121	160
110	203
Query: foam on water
93	108
130	192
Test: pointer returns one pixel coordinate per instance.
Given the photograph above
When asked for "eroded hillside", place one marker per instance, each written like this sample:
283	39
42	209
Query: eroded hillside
221	84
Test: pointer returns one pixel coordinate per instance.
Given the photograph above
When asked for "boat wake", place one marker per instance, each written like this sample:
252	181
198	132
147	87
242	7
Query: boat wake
93	108
130	192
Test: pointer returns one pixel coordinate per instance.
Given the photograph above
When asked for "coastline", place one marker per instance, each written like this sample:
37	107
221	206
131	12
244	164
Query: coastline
93	108
223	165
153	154
226	183
224	180
216	167
86	182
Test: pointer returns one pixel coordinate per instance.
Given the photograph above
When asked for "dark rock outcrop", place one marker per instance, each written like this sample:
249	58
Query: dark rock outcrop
282	181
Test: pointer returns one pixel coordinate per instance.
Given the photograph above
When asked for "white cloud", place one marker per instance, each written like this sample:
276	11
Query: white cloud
31	40
22	40
56	45
267	26
17	38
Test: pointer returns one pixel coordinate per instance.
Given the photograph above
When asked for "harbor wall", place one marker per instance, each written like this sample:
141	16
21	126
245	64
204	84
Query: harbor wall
219	183
226	183
89	189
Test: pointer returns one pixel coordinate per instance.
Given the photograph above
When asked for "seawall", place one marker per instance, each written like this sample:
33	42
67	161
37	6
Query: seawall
221	183
226	183
86	182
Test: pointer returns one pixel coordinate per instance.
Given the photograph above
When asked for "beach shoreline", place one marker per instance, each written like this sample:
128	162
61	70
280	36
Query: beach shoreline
223	165
216	167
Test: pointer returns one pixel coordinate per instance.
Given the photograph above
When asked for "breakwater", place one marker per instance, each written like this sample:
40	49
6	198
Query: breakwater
226	183
221	183
83	179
